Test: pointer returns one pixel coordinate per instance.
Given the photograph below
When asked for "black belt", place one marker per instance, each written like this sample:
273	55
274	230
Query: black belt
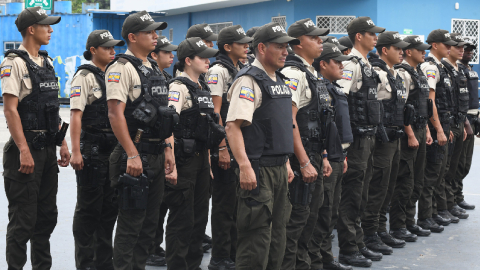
272	161
151	148
394	133
39	139
364	131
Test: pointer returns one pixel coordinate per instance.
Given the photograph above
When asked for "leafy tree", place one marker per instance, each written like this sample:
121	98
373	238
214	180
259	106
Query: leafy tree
77	4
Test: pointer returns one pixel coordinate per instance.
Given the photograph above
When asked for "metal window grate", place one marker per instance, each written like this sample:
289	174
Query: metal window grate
159	32
216	27
9	45
170	35
336	24
282	20
470	31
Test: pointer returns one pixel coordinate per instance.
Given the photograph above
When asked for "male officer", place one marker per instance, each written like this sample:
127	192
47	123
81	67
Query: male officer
135	85
360	82
411	168
30	170
329	64
386	156
310	106
259	130
465	161
334	40
345	41
439	125
251	54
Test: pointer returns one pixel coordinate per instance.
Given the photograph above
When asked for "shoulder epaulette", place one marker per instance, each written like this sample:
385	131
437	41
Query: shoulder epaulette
123	61
85	72
355	60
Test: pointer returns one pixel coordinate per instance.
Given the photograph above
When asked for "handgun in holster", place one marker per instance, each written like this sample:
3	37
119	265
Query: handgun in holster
408	115
133	191
382	133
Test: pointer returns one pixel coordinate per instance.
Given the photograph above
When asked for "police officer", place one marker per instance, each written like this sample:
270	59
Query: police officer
188	200
233	45
386	156
411	168
465	161
446	204
137	96
30	95
360	82
259	129
345	41
334	40
311	111
439	125
329	64
251	54
164	57
92	143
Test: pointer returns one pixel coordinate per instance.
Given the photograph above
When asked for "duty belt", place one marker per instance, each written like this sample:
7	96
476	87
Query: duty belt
364	131
394	133
151	148
272	161
103	139
420	122
39	139
459	118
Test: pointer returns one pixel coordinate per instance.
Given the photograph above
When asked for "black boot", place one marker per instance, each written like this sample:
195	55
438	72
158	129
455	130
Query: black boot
403	234
419	231
458	214
391	241
463	204
441	220
374	243
333	265
156	260
374	256
221	264
430	224
446	213
355	259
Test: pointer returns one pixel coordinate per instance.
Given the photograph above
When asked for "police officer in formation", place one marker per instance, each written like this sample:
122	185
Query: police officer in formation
92	143
346	42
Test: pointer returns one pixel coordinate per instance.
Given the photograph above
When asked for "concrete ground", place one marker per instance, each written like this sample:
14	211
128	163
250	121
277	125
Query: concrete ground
455	248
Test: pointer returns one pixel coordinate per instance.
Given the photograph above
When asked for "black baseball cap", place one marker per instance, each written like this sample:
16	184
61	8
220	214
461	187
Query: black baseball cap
334	40
363	24
441	36
233	34
391	38
34	15
102	38
306	27
331	51
251	31
140	22
202	31
469	43
457	37
345	41
163	44
416	43
273	32
195	46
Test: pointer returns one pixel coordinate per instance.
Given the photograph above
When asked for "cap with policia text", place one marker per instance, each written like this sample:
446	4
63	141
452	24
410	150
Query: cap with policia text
331	51
163	44
441	36
34	15
195	46
273	32
458	38
102	38
363	24
345	41
334	40
306	27
202	31
416	43
391	38
233	34
469	43
252	31
140	22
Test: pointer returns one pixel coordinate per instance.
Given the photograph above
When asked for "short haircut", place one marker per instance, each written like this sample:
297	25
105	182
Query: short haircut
379	48
353	35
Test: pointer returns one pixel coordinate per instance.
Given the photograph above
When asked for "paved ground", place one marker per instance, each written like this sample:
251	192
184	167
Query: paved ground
455	248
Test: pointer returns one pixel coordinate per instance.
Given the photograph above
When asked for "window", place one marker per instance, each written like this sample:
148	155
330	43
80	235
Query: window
336	24
159	32
10	45
216	27
470	31
170	35
282	20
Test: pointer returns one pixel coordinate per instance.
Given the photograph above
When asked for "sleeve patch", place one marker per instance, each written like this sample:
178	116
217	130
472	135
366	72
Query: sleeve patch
431	74
6	71
114	77
173	96
212	79
347	75
247	93
75	92
292	83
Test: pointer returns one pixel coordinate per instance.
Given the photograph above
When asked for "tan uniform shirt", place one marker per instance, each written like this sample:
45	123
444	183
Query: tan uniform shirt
218	79
85	90
179	96
471	111
384	87
123	81
245	96
407	78
14	75
431	72
352	73
301	93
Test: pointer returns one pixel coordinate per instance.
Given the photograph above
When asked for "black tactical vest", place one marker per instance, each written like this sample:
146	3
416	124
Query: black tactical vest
364	108
95	115
472	85
393	107
342	116
39	109
167	76
271	131
443	93
459	88
312	120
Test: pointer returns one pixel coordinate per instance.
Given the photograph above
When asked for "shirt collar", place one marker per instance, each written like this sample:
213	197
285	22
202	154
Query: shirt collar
22	48
259	65
434	58
357	53
307	65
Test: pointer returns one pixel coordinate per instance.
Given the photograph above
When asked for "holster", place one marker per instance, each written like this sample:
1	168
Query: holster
408	114
133	192
300	192
382	134
430	108
91	173
476	122
216	132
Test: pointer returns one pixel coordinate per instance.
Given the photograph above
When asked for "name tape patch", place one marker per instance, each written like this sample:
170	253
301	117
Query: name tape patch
114	77
212	79
6	71
173	96
292	83
247	93
75	91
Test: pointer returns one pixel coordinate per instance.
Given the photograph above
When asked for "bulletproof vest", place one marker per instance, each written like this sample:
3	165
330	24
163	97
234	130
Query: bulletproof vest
443	91
417	97
194	120
364	108
168	77
271	131
95	115
342	116
459	87
313	119
39	109
472	86
154	91
393	107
